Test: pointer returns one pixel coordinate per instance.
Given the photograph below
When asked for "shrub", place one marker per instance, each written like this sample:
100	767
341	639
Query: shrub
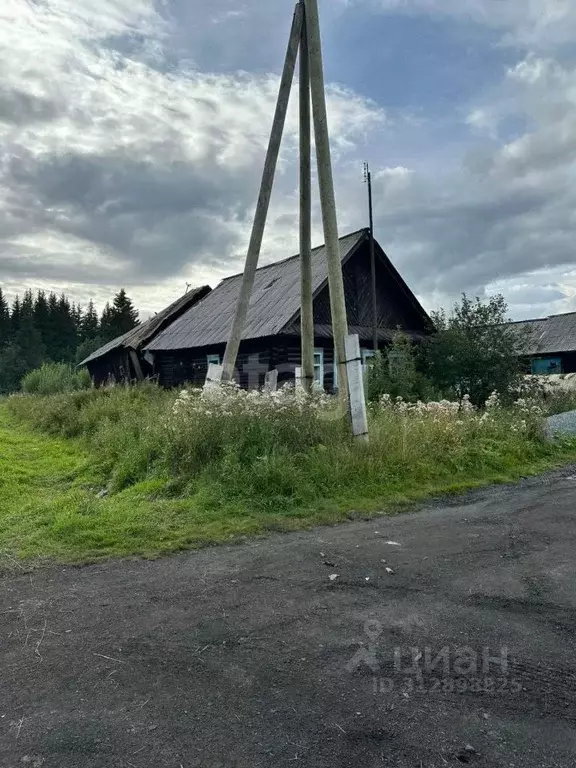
394	371
475	351
53	378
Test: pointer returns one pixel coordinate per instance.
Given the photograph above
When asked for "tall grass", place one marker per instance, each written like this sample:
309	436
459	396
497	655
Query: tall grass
284	452
54	378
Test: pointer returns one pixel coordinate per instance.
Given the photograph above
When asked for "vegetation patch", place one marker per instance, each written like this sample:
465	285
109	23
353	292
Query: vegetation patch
182	470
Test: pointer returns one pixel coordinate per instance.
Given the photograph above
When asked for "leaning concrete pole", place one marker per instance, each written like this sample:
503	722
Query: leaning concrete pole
307	309
263	204
327	199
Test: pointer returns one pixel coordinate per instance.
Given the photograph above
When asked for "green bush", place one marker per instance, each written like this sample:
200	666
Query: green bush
53	378
475	351
395	371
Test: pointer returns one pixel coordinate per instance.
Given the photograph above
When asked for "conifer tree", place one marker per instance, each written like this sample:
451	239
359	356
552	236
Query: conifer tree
4	320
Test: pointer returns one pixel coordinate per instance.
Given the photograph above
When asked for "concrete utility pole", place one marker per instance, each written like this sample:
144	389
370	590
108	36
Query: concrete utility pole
305	35
327	198
231	353
307	307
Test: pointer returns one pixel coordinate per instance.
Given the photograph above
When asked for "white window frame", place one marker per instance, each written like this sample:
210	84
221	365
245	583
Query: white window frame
366	354
319	366
213	359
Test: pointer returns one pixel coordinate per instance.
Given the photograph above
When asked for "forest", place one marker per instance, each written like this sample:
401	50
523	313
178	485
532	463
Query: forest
39	328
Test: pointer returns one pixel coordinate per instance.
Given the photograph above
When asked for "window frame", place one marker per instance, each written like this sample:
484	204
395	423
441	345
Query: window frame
319	351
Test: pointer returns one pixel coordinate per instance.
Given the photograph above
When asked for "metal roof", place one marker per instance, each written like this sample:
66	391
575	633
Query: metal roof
548	335
275	302
138	336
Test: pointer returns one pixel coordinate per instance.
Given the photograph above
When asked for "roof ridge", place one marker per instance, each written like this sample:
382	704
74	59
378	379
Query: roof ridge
296	255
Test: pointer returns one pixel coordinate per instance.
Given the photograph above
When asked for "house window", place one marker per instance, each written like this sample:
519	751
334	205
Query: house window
546	365
319	366
213	359
367	355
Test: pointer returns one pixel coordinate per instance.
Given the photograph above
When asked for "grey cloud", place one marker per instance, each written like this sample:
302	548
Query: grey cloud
535	295
20	108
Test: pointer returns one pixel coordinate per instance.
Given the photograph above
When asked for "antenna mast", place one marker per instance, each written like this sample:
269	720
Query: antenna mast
368	181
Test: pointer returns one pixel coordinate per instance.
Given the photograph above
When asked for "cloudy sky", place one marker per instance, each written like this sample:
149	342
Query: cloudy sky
132	135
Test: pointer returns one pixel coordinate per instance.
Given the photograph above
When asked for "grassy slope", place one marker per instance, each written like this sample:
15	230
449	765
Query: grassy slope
49	508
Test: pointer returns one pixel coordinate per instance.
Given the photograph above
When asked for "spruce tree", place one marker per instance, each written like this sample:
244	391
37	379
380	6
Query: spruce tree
89	325
66	331
124	316
15	315
106	329
41	317
27	339
4	320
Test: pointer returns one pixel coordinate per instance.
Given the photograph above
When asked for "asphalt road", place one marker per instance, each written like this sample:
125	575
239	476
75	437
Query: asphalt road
253	656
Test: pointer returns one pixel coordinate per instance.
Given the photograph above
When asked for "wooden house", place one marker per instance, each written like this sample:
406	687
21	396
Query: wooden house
548	343
122	359
183	350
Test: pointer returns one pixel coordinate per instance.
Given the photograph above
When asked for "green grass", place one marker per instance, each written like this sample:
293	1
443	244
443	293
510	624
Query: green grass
50	510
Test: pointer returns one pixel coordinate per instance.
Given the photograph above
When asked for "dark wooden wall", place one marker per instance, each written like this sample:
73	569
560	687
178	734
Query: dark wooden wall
393	307
255	359
117	367
257	356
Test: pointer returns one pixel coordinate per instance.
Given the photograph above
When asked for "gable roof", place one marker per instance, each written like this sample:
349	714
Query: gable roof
275	301
143	333
547	335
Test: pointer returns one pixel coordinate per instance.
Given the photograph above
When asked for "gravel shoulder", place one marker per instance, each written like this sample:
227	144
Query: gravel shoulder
253	655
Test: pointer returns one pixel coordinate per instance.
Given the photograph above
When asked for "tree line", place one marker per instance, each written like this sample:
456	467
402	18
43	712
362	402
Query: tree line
39	328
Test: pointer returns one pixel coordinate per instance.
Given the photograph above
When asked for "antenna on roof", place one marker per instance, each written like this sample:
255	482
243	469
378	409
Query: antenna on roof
188	286
368	180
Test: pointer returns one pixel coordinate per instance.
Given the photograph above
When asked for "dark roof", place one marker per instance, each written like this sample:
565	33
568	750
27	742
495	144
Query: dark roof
143	333
275	301
548	335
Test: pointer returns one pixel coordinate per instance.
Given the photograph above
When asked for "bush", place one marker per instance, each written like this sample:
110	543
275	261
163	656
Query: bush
394	371
475	351
53	378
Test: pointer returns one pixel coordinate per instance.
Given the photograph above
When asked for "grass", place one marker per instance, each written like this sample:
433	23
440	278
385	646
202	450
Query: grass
186	479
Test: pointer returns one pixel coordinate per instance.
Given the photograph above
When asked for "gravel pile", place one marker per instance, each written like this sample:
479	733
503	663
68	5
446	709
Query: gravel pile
561	423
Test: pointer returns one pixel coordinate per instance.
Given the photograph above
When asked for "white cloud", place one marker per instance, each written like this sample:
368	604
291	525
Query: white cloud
529	23
125	172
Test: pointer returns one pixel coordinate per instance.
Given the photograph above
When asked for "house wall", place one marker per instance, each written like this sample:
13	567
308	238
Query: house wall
394	310
255	359
116	367
541	363
257	356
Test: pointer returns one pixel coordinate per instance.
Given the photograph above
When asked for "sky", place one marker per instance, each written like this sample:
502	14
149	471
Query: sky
133	133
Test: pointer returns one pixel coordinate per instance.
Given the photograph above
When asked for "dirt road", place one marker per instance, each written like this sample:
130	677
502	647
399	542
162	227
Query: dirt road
439	638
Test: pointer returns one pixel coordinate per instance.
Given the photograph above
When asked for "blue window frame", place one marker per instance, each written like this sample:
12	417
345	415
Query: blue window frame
546	365
213	359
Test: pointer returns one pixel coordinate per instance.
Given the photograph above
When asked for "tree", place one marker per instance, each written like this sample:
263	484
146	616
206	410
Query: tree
87	347
4	320
120	318
475	352
27	341
395	371
106	329
76	314
89	325
42	317
15	314
66	331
